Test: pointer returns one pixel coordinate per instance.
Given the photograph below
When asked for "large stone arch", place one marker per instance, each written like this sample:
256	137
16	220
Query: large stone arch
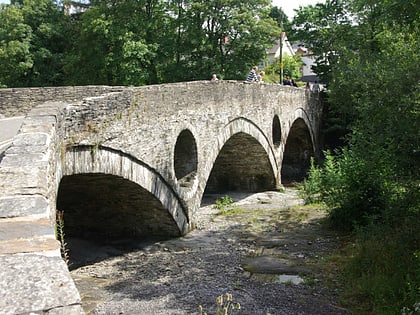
86	165
298	149
301	113
242	131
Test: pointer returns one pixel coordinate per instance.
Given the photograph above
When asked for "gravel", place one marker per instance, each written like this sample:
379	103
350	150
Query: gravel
261	239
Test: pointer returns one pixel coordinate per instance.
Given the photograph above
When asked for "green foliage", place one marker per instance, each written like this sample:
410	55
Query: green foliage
291	67
33	42
225	37
326	29
132	42
222	203
384	276
352	189
15	39
372	186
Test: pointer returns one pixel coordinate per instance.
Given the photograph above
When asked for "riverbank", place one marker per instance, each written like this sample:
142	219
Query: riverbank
267	249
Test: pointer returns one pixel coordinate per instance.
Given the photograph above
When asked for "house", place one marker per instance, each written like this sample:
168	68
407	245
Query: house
308	60
76	7
277	50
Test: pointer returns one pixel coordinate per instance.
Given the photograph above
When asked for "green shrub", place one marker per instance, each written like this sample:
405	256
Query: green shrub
384	275
223	202
353	190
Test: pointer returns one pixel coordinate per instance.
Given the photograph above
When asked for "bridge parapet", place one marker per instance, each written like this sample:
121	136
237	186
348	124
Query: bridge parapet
19	101
35	279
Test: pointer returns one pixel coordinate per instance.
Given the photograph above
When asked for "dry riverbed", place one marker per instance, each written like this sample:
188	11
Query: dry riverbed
268	250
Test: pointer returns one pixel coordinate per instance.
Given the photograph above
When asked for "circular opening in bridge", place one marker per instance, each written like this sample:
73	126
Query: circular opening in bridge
297	154
185	158
276	131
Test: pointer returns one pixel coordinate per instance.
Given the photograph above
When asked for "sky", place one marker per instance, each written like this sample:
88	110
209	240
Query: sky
288	5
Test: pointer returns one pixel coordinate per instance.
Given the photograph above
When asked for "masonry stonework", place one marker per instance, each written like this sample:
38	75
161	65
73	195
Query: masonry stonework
135	161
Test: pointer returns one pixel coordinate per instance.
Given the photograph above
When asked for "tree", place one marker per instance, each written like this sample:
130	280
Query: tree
327	30
291	68
34	40
117	42
372	184
225	37
15	39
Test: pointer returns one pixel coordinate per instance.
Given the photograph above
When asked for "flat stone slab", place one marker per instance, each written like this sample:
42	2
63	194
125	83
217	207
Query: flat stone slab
23	181
20	206
293	279
12	228
34	283
270	265
30	245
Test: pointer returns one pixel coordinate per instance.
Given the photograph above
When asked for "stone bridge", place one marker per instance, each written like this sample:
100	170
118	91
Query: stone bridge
126	162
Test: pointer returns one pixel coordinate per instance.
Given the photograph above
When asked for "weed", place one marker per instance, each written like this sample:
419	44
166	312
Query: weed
59	233
224	305
223	202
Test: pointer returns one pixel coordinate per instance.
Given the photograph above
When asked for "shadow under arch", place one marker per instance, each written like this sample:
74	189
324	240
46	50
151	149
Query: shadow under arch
297	153
241	159
111	194
185	158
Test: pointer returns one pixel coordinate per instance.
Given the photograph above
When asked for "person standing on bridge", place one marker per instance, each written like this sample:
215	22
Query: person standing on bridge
260	77
252	75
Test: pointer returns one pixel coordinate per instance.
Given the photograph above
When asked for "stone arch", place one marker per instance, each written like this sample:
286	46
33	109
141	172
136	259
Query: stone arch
185	158
302	114
297	152
150	204
276	131
253	146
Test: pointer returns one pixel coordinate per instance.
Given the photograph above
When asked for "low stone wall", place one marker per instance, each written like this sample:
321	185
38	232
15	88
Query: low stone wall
19	101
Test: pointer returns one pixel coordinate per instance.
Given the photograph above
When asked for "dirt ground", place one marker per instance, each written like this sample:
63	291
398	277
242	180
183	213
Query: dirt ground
267	250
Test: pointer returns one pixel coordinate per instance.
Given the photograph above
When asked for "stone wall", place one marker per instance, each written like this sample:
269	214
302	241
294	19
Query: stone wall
34	277
150	122
19	101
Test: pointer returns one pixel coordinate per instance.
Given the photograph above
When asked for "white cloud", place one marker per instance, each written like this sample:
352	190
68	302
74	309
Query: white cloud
288	6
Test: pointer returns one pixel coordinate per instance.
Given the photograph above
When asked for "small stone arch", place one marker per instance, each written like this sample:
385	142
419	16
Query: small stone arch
86	165
243	134
276	131
185	158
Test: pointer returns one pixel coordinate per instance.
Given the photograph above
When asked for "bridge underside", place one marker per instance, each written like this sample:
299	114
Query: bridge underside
242	165
99	206
297	154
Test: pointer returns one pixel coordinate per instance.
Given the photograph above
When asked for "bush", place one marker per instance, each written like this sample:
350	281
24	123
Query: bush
383	211
352	190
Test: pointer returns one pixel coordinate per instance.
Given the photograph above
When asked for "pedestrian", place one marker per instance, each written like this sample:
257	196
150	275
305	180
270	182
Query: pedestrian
315	87
214	77
287	81
260	76
252	75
